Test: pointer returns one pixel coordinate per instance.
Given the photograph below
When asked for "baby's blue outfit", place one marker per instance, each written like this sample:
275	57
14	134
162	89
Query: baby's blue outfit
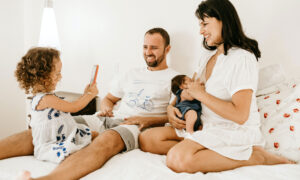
55	133
185	106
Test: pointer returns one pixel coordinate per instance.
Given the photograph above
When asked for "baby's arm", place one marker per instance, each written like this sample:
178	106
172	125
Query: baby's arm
190	118
52	101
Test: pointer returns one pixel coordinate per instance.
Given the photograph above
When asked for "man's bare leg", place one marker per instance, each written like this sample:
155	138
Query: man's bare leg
89	159
158	140
16	145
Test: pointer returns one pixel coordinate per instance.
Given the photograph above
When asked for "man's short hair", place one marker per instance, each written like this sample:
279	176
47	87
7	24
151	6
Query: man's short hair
162	32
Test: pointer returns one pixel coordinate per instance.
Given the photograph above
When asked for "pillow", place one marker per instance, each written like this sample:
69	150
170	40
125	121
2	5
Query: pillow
280	116
269	77
92	107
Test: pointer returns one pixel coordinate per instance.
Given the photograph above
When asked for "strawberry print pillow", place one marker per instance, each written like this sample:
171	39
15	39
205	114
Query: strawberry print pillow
280	117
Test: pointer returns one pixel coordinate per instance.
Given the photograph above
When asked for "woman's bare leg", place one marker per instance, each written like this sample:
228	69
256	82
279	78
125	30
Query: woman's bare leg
158	140
189	156
16	145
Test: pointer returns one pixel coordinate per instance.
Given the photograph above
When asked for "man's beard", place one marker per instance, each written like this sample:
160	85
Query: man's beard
156	62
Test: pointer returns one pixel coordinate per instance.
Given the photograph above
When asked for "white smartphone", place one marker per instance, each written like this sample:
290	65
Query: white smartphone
94	74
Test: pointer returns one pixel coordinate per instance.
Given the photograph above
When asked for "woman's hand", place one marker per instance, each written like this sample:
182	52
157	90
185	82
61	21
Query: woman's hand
173	114
196	89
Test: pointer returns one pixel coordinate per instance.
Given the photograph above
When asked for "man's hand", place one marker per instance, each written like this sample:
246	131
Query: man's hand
142	122
107	104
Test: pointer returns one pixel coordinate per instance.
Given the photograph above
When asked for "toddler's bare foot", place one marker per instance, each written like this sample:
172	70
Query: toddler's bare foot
25	175
267	158
94	134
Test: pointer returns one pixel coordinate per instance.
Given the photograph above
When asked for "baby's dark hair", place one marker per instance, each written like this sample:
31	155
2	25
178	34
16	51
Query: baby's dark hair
34	69
176	82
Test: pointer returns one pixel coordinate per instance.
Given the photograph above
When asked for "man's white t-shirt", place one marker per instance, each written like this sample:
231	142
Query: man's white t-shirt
143	92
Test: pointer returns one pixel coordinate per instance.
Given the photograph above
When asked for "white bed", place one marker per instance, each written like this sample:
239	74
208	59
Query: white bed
137	165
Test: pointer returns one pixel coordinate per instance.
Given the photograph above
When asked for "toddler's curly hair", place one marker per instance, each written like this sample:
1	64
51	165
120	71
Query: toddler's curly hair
34	69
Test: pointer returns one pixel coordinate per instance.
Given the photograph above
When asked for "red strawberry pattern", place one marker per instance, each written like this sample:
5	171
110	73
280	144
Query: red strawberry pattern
286	115
280	107
266	97
277	102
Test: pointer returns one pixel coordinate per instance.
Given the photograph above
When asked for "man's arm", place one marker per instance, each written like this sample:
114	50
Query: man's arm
107	105
145	122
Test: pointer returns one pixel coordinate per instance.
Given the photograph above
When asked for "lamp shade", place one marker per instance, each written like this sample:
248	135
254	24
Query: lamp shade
48	33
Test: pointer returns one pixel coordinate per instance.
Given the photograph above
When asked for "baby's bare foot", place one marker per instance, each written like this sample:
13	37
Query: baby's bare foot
25	175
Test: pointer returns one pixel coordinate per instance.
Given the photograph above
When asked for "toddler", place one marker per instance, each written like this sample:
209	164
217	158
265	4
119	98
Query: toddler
189	107
55	133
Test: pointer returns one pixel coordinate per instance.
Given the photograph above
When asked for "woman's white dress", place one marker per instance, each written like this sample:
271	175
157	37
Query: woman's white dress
232	72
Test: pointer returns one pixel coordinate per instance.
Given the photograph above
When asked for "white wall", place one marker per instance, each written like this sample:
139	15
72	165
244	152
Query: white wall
110	33
276	26
12	103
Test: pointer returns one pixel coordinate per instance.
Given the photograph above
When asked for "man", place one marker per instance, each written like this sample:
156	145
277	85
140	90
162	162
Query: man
144	95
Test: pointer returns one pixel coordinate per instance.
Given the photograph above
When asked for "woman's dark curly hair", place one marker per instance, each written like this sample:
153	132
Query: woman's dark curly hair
34	69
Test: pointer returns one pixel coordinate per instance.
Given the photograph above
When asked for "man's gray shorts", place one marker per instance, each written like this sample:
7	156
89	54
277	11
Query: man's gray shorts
128	133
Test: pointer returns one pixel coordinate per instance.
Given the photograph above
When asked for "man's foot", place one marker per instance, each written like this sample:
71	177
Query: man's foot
25	175
267	158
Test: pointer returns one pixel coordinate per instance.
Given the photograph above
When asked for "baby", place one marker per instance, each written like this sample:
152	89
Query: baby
189	107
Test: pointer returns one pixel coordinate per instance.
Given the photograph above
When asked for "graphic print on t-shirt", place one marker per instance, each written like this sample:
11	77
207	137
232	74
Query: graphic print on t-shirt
139	100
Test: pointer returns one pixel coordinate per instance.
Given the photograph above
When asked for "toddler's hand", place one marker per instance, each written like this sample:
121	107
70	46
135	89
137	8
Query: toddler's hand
91	89
94	89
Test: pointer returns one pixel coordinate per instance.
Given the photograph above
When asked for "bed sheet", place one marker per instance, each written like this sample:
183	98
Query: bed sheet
137	165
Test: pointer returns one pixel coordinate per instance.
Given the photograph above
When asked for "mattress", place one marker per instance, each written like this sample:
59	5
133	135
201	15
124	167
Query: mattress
138	165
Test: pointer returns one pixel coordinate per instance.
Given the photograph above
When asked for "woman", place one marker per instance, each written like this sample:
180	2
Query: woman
230	136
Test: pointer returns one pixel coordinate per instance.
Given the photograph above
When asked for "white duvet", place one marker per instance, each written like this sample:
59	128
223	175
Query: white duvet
137	165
